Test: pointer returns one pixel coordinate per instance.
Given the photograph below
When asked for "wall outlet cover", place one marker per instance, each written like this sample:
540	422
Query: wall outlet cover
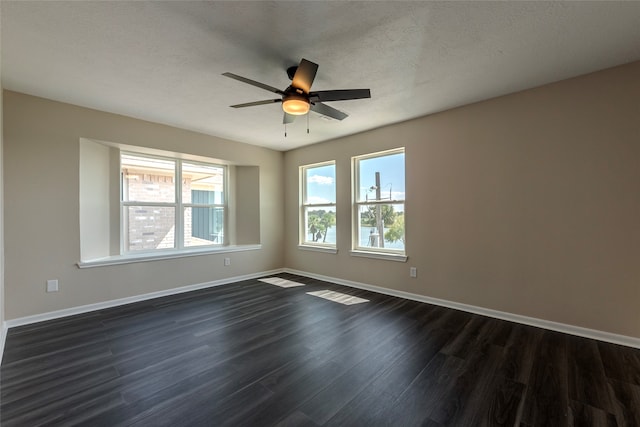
52	286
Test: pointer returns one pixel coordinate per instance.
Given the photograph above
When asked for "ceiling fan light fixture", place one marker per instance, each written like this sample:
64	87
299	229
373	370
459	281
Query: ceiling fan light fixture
295	105
297	99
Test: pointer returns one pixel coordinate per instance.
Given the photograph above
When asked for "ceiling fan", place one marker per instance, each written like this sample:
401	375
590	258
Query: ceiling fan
298	99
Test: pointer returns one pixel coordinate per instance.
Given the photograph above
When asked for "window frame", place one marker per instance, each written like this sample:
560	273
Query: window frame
304	205
178	205
223	205
368	251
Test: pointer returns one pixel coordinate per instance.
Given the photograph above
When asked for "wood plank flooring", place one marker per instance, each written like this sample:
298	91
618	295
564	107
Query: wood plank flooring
254	354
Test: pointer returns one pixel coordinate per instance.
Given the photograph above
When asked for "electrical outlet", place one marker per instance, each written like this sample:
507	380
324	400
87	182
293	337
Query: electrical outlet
227	262
52	285
413	272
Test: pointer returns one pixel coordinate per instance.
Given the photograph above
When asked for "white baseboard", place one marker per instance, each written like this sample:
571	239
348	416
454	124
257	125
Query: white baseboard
122	301
511	317
3	338
531	321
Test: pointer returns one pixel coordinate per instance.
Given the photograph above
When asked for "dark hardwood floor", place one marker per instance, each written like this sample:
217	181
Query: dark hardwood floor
255	354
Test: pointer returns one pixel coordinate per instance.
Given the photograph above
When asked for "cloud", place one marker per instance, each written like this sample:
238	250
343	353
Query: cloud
384	194
319	179
398	195
315	200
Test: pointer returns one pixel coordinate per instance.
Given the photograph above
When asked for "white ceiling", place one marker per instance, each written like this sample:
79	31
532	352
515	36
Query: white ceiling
162	61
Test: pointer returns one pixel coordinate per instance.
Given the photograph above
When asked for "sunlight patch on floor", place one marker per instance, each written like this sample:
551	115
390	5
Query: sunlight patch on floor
283	283
338	297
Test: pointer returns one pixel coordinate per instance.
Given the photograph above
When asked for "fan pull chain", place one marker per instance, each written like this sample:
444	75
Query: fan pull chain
285	130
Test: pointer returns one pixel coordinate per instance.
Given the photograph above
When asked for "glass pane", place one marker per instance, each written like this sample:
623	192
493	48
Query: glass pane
381	220
388	171
149	227
320	225
145	179
203	226
202	184
321	184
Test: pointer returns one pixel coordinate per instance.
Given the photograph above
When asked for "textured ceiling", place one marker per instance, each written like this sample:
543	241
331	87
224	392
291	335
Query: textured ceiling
162	61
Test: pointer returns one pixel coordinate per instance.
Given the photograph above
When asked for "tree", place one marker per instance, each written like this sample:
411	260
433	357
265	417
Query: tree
369	216
327	221
313	222
396	231
319	223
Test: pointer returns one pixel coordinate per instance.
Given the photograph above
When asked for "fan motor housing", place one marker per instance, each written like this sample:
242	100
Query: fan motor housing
291	71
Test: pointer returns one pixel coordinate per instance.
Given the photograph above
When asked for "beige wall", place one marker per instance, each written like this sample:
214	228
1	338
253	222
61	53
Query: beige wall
2	314
95	209
248	198
41	160
527	203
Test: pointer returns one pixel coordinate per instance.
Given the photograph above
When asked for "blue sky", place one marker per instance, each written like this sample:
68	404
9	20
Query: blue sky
391	170
321	182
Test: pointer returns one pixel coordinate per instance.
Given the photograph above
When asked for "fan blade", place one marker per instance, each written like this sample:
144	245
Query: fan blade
288	118
340	95
324	109
304	76
251	104
253	83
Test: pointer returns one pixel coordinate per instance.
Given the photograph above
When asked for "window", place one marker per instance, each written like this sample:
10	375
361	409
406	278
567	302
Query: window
138	204
170	203
318	206
379	194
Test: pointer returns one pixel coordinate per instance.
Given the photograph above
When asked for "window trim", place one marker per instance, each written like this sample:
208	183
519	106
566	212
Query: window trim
364	251
178	205
163	254
303	206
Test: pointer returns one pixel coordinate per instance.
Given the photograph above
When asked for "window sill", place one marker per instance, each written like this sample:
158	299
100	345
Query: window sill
133	258
327	250
379	255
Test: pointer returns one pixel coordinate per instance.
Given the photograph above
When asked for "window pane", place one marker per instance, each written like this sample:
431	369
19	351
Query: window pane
203	226
381	220
321	184
149	227
145	179
202	184
390	172
320	225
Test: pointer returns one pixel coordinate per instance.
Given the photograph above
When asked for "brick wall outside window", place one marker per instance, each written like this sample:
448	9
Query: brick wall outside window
152	227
